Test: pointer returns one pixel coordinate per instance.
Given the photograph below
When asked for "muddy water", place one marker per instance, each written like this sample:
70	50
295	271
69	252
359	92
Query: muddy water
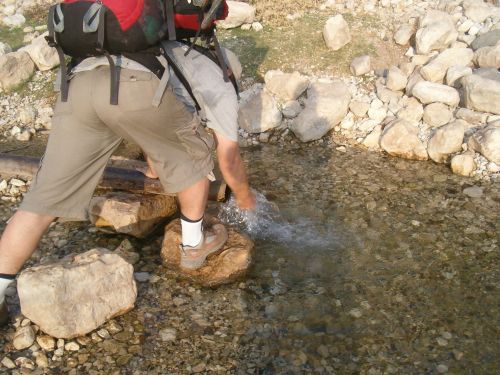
365	265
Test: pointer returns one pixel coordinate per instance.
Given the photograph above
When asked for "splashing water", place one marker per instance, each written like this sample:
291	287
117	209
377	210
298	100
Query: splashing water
266	222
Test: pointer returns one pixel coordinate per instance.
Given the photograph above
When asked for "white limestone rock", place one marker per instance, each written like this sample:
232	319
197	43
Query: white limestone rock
437	114
436	69
44	56
437	31
404	34
481	94
396	79
463	165
239	13
286	86
488	57
4	49
455	73
400	138
430	92
446	140
361	65
260	114
15	69
487	142
336	33
412	111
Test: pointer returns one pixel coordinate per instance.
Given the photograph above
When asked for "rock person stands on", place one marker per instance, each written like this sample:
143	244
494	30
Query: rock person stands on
123	92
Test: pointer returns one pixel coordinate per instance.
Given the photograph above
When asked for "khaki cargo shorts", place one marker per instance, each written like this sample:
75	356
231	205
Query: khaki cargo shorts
86	130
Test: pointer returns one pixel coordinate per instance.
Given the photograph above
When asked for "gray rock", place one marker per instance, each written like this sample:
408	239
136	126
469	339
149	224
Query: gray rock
437	114
286	86
239	13
487	142
15	69
414	78
76	295
396	79
336	33
44	56
437	31
436	69
430	92
446	140
488	73
168	334
260	114
400	138
404	34
488	57
291	109
474	191
472	117
463	165
361	65
489	39
327	104
481	94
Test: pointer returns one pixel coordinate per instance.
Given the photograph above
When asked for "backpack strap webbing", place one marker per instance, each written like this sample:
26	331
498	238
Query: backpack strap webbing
52	42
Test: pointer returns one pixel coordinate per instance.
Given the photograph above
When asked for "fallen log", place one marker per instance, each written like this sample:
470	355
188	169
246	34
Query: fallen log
114	178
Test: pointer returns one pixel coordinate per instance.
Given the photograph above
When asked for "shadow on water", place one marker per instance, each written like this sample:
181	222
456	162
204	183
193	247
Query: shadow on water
368	264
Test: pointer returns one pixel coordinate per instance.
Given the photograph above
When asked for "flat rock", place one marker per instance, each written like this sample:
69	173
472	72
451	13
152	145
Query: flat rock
228	266
44	56
327	104
430	92
286	86
437	114
260	114
336	32
486	141
76	295
133	214
436	69
481	94
239	13
15	69
446	140
437	31
400	138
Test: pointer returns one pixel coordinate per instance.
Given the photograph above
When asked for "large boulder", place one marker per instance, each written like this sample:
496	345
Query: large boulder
226	267
336	33
487	142
400	138
260	114
437	114
15	69
436	69
327	104
4	49
239	13
489	39
286	86
430	92
488	57
437	31
133	214
78	294
481	94
44	56
446	140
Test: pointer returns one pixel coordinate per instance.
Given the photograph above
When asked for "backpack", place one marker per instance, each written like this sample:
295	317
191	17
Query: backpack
133	28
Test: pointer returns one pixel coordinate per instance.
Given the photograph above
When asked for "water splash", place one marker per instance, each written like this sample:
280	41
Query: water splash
267	223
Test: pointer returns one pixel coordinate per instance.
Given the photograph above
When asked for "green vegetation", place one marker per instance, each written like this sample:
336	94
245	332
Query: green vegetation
35	16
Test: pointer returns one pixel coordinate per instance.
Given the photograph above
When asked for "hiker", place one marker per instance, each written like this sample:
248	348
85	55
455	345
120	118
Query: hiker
90	120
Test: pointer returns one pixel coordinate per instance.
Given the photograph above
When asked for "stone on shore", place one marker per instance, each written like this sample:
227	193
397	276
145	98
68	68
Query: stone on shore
463	165
133	214
240	13
336	33
327	104
260	114
44	56
486	141
286	86
430	92
481	94
228	266
361	65
15	69
436	69
78	294
437	31
24	337
446	140
437	114
400	138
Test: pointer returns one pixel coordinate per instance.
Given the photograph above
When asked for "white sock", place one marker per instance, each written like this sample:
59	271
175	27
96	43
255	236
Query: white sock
4	283
191	232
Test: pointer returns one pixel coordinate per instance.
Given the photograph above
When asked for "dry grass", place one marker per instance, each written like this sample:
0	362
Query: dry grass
274	12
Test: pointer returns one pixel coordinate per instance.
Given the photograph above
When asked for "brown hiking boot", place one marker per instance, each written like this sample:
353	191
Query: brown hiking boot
4	314
213	240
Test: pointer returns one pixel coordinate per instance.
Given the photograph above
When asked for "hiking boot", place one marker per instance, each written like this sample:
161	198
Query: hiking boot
4	314
212	241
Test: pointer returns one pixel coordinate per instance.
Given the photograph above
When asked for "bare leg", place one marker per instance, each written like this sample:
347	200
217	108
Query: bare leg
193	200
20	239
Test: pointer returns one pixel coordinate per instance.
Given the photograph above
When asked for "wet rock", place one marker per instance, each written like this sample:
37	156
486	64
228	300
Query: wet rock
24	337
488	57
396	79
430	92
15	69
487	142
463	165
489	39
481	94
44	56
336	33
232	263
239	13
8	363
404	34
168	334
76	295
446	140
437	31
474	191
133	214
286	86
400	139
436	69
260	114
327	104
437	114
361	65
47	343
41	360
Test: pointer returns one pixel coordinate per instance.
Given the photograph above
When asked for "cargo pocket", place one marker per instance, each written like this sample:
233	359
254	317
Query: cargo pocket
196	140
136	90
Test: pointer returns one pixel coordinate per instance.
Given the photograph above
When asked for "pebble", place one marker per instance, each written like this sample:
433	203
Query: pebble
47	343
24	337
168	334
442	369
474	191
356	313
